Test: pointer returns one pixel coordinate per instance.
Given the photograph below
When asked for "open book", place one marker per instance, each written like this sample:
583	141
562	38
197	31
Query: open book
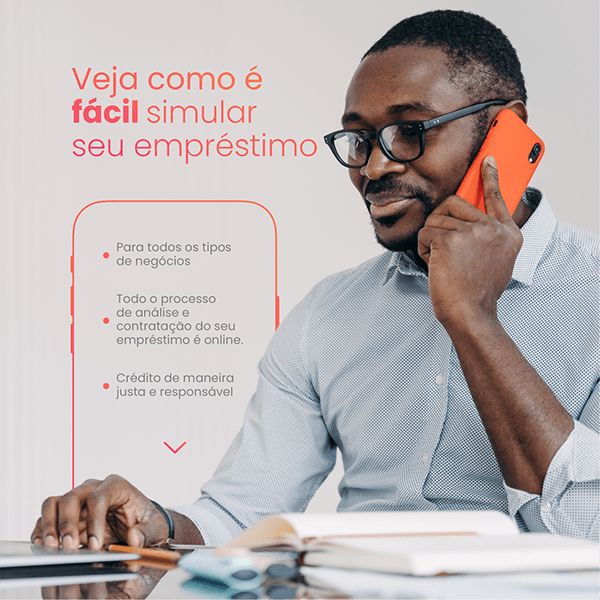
419	543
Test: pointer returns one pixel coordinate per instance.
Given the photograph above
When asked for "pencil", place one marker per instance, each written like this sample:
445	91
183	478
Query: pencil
149	553
144	563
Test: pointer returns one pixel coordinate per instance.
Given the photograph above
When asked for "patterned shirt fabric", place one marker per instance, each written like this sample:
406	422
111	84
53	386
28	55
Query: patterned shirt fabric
363	365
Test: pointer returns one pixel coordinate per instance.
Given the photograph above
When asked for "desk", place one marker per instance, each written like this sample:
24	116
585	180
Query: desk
155	584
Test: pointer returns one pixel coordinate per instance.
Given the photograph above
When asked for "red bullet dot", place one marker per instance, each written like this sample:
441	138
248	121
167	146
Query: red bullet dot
106	385
106	255
106	320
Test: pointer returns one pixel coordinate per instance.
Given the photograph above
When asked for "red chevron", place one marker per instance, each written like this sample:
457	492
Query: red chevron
175	450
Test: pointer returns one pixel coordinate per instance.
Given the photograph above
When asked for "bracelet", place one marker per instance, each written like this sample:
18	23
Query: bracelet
168	519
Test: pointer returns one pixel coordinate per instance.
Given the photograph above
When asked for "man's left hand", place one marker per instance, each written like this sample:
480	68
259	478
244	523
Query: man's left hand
470	255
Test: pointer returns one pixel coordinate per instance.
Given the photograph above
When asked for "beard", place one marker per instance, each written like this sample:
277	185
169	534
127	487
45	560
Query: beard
398	243
384	230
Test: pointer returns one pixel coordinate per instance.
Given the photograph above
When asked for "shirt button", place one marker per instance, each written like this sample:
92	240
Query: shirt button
439	379
547	505
424	457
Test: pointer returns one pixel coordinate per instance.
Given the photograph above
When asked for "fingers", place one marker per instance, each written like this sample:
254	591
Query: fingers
37	537
61	518
113	492
456	207
69	514
48	522
97	513
151	528
427	239
436	224
443	221
69	508
97	508
495	206
36	534
137	538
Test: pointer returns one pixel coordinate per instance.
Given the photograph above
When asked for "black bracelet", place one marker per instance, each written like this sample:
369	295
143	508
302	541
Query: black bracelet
168	519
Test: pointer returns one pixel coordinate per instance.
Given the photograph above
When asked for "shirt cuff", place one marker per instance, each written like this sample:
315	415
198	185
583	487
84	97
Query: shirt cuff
517	498
215	525
577	460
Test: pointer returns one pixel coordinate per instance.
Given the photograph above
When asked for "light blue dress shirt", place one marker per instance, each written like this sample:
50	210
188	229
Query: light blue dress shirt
363	365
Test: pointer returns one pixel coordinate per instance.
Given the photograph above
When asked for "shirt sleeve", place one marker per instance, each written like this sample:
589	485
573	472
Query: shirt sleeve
568	504
283	451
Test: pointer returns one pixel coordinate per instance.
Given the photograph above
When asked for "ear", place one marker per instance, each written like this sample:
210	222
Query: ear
518	108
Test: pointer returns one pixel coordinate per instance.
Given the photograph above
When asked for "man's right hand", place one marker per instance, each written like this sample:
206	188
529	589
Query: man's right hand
98	513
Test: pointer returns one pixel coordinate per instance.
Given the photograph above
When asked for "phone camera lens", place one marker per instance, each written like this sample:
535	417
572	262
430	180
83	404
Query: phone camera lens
535	153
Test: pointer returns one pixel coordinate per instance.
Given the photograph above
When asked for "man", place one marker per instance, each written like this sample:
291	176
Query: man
458	370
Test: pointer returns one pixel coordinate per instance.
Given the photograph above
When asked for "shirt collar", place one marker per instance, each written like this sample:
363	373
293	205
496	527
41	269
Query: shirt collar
403	263
536	235
537	232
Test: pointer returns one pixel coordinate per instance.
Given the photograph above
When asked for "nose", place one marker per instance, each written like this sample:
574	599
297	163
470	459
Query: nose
379	165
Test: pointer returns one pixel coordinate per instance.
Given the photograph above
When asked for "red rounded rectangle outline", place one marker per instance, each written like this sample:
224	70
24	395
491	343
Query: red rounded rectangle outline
72	288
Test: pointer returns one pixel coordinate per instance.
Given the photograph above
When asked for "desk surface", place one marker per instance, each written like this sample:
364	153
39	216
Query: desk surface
318	583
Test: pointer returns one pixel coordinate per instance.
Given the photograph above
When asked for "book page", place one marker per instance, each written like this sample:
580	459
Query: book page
308	527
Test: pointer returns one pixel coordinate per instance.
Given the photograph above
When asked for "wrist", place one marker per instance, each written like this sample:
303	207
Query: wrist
170	531
464	315
186	531
471	321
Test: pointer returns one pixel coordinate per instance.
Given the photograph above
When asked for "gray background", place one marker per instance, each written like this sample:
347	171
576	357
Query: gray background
307	53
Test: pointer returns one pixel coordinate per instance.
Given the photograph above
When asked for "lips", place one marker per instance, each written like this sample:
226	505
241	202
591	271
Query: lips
384	205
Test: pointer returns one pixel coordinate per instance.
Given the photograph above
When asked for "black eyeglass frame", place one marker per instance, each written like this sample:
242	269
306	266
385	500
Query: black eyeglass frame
422	127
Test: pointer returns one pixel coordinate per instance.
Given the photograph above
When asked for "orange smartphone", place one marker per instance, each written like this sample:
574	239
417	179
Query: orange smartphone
517	150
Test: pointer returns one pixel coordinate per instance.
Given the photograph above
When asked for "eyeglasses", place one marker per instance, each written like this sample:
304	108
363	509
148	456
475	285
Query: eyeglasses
401	141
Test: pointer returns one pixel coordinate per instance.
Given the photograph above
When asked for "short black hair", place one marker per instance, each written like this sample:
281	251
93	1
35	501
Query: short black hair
481	58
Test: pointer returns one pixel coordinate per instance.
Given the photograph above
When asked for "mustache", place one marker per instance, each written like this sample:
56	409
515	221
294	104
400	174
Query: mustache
394	185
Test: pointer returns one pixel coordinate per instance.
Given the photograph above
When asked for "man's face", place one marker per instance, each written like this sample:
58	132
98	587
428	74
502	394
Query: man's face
409	83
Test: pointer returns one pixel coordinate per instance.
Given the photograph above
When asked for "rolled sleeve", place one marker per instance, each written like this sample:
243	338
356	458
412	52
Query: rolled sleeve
215	525
570	500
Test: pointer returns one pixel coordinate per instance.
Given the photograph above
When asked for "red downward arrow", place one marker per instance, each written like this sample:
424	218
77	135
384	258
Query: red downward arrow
175	450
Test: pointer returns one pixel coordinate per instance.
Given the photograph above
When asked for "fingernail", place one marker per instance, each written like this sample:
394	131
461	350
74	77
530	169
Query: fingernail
50	540
67	540
93	543
37	541
490	160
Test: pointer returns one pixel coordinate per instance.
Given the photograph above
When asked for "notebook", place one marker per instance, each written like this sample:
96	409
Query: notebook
419	543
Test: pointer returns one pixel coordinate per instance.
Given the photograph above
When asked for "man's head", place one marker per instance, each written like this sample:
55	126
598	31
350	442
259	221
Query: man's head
426	66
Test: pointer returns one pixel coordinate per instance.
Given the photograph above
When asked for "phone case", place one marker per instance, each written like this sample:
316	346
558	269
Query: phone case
517	150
